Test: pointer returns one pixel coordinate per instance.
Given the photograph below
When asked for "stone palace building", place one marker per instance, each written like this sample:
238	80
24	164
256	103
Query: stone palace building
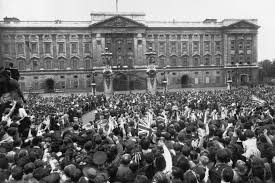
62	55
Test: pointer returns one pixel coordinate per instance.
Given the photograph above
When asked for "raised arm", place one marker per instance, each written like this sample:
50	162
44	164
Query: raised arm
267	137
12	109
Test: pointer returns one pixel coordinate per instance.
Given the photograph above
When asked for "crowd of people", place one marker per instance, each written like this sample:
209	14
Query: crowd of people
190	136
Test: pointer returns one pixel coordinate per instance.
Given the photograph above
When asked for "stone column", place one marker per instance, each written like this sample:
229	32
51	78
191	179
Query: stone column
225	49
254	48
152	84
151	78
108	86
108	81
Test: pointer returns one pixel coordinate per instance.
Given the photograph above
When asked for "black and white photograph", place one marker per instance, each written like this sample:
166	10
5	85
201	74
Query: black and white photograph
137	91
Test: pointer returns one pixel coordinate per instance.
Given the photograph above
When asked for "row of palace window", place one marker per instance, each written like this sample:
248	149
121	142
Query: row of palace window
32	47
185	61
185	45
49	64
179	36
240	45
207	80
241	59
59	85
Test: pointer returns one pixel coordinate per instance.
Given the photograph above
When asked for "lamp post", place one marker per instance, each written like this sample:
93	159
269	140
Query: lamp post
229	80
237	74
151	70
93	84
107	71
165	80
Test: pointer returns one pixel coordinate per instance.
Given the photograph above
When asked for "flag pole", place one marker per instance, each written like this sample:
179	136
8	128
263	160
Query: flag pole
116	5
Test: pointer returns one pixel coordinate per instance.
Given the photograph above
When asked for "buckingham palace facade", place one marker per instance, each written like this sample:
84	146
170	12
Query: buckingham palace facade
63	54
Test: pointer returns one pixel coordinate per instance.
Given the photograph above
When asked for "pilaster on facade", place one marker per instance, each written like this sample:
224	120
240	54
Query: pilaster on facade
254	48
225	49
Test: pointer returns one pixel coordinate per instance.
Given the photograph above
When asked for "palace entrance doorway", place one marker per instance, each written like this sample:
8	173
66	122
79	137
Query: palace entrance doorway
49	85
184	81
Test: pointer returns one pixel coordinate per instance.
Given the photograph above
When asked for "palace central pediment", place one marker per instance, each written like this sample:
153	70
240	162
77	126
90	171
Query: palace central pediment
118	22
243	24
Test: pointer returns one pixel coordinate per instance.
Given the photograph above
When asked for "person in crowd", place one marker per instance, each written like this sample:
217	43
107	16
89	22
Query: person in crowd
190	136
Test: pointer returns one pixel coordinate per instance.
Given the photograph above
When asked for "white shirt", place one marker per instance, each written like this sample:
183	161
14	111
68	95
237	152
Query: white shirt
22	113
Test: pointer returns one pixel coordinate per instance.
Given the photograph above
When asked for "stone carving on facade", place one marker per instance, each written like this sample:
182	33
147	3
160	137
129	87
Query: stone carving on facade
107	75
47	38
151	73
118	22
243	24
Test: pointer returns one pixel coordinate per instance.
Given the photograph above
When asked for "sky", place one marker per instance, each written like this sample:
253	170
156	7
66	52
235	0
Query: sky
180	10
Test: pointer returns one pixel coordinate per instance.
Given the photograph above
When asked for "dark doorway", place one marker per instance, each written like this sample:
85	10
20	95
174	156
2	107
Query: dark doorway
120	82
244	79
184	81
49	83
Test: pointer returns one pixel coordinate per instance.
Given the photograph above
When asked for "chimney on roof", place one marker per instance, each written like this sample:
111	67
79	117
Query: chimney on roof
11	19
207	21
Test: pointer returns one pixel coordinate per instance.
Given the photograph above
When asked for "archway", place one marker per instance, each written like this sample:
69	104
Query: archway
184	81
49	85
244	79
120	82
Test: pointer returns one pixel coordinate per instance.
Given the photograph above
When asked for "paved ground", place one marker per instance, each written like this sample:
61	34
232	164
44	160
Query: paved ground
88	117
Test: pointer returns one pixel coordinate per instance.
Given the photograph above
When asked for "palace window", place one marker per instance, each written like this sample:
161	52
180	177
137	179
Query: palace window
74	48
21	65
218	46
241	59
248	45
98	42
232	45
87	63
184	61
75	84
61	48
185	46
195	46
62	84
162	61
6	48
206	60
207	46
87	48
218	79
173	61
48	64
36	85
218	60
248	59
196	61
74	63
232	59
62	64
240	45
48	48
162	47
35	65
20	48
34	48
140	42
22	85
